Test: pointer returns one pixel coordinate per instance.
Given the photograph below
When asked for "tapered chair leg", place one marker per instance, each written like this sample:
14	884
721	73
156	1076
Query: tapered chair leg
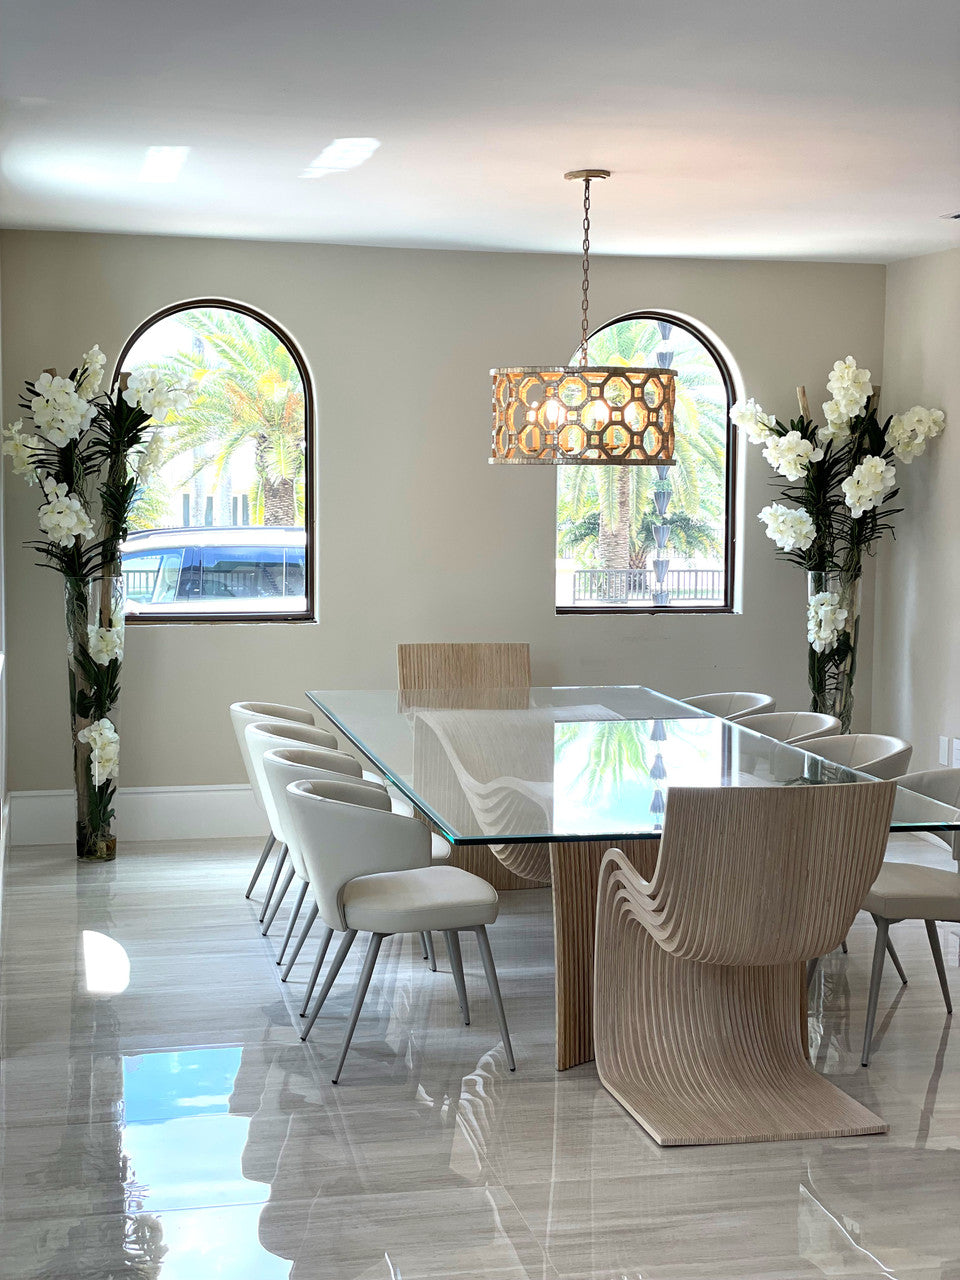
298	945
490	969
366	973
315	971
278	900
431	954
295	912
892	953
876	973
934	940
423	946
335	967
271	841
812	967
452	939
277	868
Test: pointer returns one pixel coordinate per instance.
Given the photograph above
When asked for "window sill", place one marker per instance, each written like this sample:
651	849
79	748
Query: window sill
664	611
206	619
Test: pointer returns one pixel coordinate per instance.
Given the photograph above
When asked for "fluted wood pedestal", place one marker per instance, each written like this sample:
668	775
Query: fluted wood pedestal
575	872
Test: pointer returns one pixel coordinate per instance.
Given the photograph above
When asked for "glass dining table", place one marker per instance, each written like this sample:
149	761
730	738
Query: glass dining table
574	771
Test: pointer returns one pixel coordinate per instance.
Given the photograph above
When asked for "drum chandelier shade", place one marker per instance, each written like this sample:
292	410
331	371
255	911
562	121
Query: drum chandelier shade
577	414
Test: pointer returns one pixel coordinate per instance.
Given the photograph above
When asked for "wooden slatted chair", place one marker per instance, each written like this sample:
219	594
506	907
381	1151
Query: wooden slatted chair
699	996
480	676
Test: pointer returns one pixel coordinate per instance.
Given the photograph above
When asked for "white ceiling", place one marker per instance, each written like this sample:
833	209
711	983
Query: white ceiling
763	128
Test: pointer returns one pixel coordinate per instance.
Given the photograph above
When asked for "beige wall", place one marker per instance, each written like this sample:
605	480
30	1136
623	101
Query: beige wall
918	583
419	538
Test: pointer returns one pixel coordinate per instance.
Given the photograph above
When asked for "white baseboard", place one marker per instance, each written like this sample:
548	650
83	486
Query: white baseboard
143	813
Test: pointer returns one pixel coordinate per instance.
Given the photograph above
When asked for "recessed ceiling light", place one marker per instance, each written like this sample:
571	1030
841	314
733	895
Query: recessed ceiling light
342	153
163	164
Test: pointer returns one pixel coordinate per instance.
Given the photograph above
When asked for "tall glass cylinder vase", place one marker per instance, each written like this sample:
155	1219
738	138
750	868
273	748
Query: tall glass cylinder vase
94	615
833	630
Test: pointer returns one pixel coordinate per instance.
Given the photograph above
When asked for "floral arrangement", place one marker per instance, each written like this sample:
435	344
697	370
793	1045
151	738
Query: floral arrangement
842	479
89	453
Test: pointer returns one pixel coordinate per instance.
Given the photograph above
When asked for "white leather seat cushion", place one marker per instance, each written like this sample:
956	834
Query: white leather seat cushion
906	891
417	900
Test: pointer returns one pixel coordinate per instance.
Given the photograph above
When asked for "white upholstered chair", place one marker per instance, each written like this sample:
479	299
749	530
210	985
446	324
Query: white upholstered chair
791	727
732	706
909	891
371	870
262	736
280	766
242	714
875	753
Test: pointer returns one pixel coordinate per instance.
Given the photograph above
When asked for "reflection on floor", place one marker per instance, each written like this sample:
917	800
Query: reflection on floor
162	1118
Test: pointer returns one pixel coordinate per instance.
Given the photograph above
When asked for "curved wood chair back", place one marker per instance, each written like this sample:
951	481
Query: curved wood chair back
766	875
463	666
479	676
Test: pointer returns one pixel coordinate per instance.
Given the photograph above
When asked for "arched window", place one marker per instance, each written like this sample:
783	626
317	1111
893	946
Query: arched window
223	525
654	539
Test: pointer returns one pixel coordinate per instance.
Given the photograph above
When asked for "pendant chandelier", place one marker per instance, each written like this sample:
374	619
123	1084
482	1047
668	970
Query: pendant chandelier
583	413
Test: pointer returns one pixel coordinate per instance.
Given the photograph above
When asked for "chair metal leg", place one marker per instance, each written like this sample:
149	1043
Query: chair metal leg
431	954
295	912
271	841
934	940
315	971
812	967
452	939
892	953
278	899
298	946
366	973
278	867
843	946
490	969
879	952
335	967
423	946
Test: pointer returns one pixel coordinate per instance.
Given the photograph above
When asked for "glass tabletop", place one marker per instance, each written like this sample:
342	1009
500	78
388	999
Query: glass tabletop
521	766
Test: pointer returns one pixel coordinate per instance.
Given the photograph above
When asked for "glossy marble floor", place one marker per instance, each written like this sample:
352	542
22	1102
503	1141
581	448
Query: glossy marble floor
162	1118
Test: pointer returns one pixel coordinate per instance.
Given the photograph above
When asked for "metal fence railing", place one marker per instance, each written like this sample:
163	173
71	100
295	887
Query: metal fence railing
138	584
624	586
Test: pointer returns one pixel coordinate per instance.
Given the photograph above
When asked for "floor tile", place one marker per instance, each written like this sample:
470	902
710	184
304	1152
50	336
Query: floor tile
161	1117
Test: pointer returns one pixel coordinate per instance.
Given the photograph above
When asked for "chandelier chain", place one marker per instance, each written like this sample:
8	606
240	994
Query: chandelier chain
585	286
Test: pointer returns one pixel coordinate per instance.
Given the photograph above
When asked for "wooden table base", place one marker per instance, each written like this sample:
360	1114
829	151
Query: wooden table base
575	870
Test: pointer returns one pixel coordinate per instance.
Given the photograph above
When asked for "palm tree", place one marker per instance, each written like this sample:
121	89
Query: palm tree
689	535
608	511
251	393
616	753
